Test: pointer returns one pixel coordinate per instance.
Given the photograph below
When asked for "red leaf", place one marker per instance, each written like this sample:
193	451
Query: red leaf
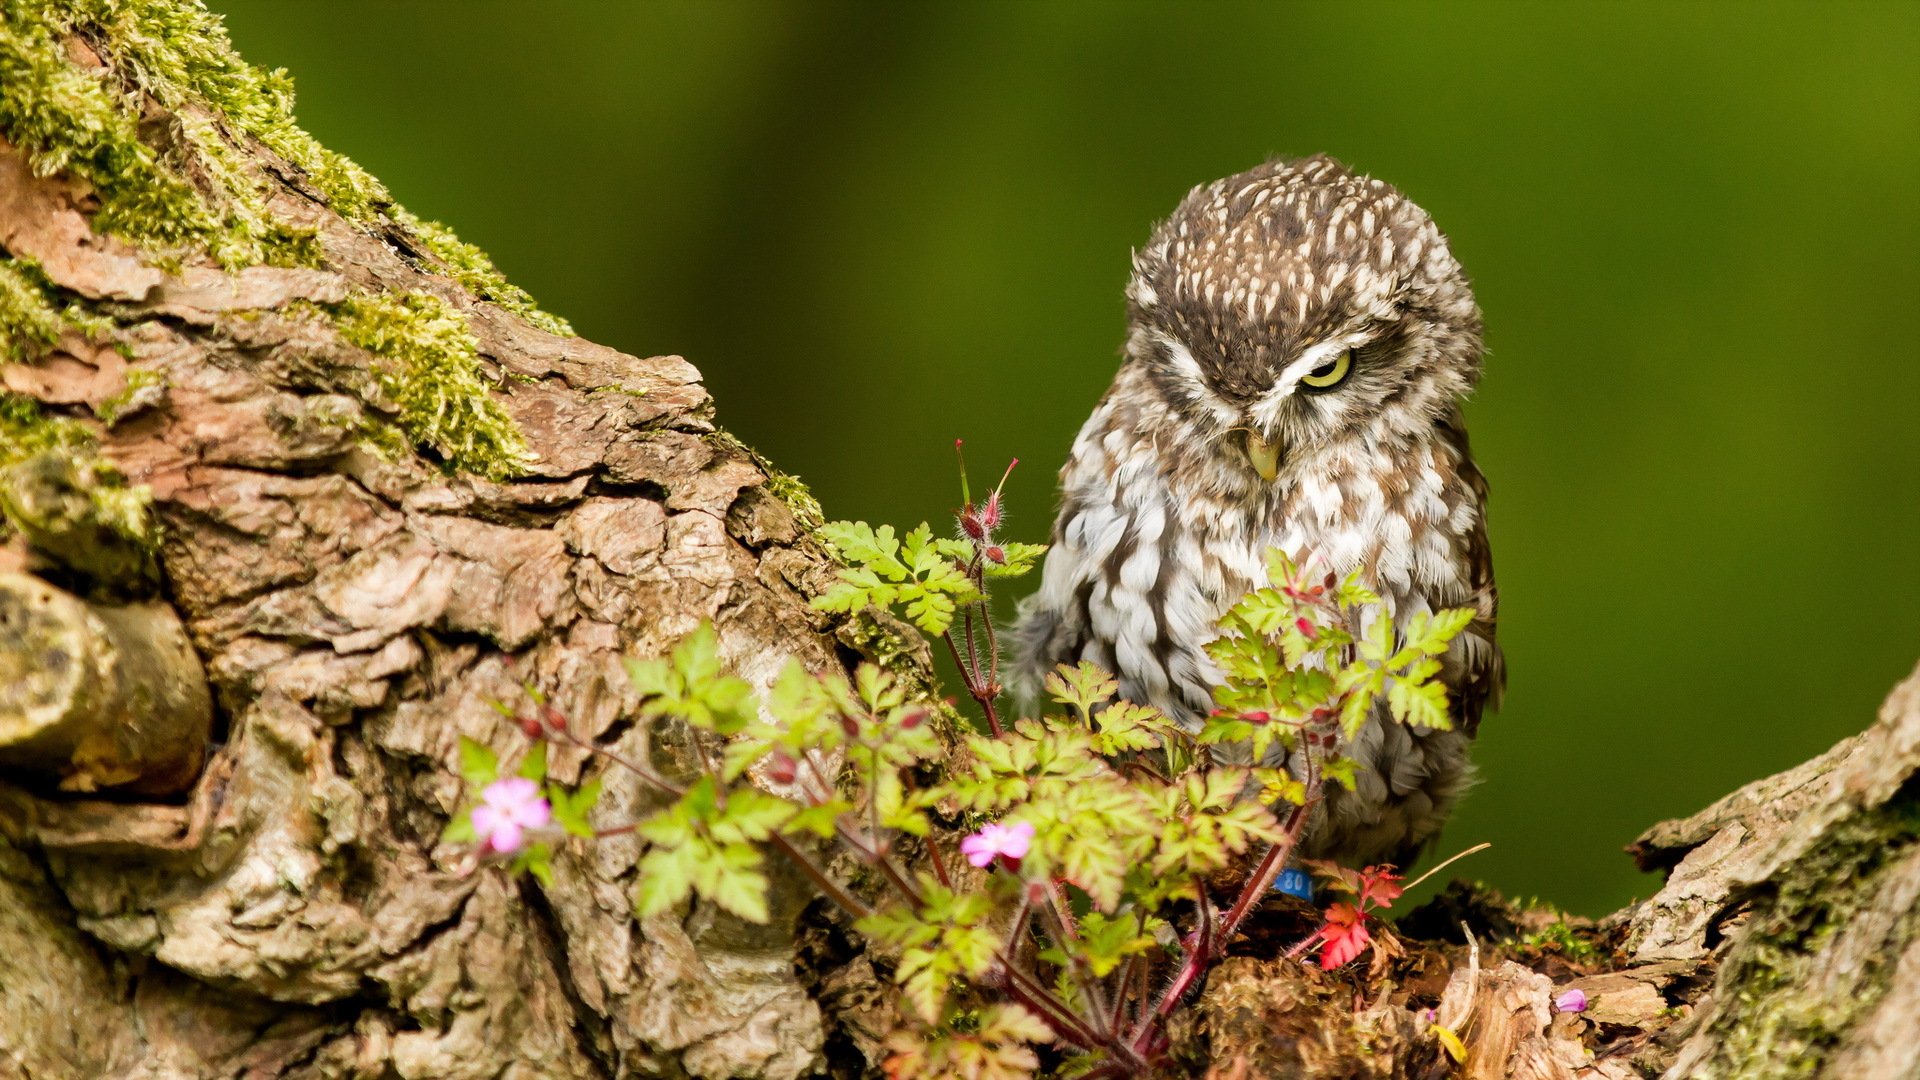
1344	936
1379	887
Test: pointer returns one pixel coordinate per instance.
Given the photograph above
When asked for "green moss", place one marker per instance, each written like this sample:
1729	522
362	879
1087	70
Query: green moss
1560	936
431	371
70	120
34	312
142	386
783	486
28	320
788	489
26	429
86	122
66	499
470	266
1790	1004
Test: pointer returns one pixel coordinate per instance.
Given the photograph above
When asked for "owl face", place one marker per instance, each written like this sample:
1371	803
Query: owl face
1297	306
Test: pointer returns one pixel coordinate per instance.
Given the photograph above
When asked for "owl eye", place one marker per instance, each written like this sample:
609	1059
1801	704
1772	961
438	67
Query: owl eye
1330	374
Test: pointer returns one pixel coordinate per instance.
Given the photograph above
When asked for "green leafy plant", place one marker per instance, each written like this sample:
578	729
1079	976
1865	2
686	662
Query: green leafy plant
1051	879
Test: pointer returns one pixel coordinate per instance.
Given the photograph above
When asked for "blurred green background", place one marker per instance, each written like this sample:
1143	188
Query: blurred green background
1694	229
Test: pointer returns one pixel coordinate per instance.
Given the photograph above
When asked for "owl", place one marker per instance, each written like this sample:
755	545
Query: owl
1299	341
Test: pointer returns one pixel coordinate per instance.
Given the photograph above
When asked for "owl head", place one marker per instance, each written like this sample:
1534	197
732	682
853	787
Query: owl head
1298	306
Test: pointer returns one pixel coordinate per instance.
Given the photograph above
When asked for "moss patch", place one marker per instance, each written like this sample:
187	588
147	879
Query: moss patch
790	490
470	266
143	387
1792	1003
34	312
84	121
28	320
786	487
26	429
431	371
67	501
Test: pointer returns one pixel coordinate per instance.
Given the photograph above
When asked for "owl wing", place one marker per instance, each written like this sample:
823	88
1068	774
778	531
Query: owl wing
1476	670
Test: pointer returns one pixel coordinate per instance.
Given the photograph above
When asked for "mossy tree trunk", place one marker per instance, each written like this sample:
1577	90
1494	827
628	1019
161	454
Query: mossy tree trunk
378	490
281	459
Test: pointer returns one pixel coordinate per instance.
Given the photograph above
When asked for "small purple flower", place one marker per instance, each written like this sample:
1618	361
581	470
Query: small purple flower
1572	1001
1012	841
507	808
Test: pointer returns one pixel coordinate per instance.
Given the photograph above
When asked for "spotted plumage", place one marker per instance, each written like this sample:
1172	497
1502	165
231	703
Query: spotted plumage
1299	340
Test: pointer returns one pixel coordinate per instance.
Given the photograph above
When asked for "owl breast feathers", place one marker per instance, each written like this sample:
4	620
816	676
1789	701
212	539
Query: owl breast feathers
1299	340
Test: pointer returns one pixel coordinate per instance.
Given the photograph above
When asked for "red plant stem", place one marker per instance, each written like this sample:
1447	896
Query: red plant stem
634	767
974	689
827	886
1121	986
993	647
939	864
1201	957
973	648
1017	929
1142	766
1270	866
1089	986
1029	992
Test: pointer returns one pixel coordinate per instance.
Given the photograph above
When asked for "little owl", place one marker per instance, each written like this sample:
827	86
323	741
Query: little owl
1299	339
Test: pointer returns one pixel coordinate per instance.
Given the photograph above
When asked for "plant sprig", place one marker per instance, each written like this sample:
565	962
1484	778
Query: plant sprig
1100	821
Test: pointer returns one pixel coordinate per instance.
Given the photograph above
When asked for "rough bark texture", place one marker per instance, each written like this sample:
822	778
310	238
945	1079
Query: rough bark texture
357	606
249	398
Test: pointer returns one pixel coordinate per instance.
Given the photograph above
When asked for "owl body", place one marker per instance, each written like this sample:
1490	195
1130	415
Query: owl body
1299	340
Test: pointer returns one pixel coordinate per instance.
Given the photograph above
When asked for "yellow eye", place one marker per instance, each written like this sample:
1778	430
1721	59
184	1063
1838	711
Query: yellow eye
1330	374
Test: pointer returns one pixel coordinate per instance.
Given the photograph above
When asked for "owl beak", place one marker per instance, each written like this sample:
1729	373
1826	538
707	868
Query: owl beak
1264	455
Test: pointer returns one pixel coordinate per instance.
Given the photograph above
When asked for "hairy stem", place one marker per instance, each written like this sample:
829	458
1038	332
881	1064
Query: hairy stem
830	888
1089	986
975	689
1201	957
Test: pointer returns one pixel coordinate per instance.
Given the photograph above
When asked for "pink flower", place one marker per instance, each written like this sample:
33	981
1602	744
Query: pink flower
1571	1001
1012	841
507	808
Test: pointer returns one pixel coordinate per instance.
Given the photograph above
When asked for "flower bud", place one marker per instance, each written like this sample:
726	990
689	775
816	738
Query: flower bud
781	768
913	719
990	513
530	727
1305	626
997	555
849	725
555	719
971	524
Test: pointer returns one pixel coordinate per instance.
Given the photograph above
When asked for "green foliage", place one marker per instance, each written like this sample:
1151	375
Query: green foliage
1293	652
706	843
1560	936
429	366
883	571
997	1048
1013	559
691	685
945	935
1108	816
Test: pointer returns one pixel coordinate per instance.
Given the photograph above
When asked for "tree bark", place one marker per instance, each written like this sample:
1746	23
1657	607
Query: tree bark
249	399
357	603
